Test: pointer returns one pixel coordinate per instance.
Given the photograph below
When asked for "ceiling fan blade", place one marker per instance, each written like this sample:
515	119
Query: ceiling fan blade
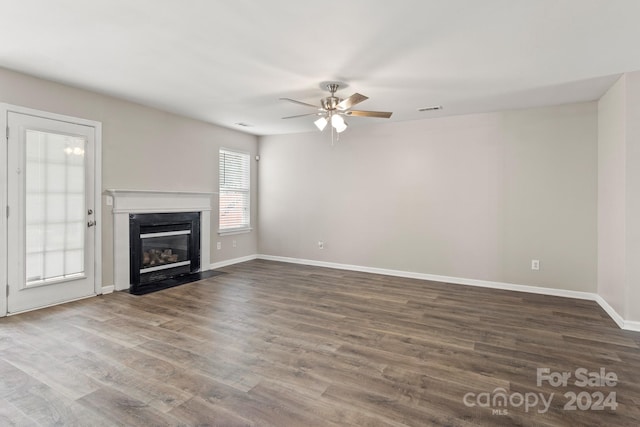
303	115
360	113
301	103
354	99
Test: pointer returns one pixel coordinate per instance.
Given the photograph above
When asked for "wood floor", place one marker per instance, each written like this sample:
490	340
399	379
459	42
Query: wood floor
273	344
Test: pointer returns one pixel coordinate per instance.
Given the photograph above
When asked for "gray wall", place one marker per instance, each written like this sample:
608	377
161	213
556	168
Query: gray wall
473	197
143	149
633	196
619	197
612	197
470	196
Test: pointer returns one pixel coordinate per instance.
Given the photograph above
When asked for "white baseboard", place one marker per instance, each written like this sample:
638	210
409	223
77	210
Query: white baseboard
631	325
108	289
624	324
438	278
227	262
620	321
610	311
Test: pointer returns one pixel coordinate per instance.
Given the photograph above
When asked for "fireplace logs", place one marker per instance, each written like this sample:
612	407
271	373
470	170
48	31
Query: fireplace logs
154	257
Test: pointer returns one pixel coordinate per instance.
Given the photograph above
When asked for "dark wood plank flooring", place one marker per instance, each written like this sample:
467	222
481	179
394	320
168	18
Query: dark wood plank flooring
274	344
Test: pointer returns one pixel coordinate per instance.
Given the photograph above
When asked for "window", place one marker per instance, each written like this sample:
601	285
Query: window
234	191
55	206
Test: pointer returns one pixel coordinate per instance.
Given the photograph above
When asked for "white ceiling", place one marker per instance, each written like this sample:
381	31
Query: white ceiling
228	61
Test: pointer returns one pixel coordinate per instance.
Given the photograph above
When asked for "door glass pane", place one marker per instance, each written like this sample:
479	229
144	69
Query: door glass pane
55	206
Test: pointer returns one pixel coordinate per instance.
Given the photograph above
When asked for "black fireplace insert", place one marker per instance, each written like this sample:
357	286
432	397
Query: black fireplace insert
164	246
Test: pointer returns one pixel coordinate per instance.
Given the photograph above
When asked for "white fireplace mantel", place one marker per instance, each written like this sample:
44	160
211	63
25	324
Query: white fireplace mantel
127	202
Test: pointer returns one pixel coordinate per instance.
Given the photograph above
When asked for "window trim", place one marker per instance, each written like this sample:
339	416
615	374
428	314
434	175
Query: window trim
230	231
242	229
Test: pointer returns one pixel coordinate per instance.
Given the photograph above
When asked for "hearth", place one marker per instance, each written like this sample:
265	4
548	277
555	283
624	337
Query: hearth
163	246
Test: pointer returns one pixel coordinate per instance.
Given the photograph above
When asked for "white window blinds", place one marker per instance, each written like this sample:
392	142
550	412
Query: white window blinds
234	190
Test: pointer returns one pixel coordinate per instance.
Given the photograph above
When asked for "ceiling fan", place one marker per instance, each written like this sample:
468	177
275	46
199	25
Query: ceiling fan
333	109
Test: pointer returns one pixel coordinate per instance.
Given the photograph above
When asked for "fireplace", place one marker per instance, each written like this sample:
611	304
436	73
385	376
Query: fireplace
127	202
163	246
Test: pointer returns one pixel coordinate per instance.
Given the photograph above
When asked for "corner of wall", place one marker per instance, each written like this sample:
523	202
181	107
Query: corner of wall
611	223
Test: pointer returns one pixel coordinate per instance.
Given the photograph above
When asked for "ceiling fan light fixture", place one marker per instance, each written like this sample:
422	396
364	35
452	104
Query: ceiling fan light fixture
321	123
337	121
342	128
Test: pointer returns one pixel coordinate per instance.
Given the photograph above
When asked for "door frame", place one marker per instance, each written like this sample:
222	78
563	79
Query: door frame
5	109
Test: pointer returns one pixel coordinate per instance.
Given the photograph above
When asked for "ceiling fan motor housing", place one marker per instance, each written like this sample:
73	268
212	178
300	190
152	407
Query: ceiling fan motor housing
330	103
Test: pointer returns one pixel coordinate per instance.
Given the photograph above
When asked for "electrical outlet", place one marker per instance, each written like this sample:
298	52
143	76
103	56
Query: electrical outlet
234	244
535	264
109	200
320	244
219	246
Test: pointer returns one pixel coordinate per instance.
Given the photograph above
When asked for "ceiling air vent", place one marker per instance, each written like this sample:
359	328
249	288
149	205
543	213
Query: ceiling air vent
433	108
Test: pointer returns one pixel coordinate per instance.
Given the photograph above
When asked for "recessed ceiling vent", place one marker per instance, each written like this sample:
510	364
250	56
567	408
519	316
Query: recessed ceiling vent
432	108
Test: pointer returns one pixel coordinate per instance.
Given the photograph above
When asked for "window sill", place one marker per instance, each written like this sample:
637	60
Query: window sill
234	231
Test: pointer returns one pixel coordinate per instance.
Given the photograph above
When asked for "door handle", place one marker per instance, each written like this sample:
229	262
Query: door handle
91	223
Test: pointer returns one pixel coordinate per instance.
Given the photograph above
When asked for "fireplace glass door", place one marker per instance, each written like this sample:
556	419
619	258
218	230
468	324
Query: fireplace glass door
164	250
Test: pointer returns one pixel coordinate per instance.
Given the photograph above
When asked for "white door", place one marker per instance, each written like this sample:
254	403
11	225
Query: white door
51	219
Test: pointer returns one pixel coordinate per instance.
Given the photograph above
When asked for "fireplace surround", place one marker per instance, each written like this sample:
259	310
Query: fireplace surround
132	202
